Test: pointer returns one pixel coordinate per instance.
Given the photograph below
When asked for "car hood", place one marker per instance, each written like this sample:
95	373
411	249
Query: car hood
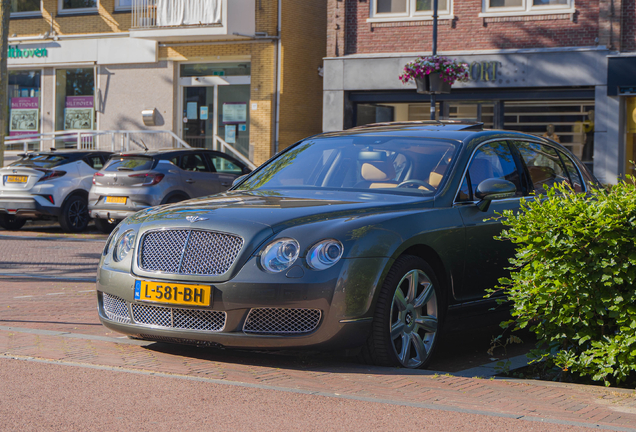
278	209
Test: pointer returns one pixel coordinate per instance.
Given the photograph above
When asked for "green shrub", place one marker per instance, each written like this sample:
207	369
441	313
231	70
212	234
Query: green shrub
573	279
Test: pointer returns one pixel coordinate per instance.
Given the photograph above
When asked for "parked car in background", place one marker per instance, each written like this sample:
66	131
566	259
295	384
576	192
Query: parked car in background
47	185
370	237
130	182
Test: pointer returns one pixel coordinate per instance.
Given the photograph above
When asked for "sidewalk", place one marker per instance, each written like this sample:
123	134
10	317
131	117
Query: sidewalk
526	400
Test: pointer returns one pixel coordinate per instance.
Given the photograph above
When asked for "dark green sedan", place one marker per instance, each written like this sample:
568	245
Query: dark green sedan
368	238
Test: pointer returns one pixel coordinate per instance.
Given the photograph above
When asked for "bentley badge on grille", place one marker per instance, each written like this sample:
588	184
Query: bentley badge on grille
195	219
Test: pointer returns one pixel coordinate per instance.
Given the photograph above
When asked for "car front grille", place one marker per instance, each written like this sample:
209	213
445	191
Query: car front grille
182	319
116	309
189	252
281	321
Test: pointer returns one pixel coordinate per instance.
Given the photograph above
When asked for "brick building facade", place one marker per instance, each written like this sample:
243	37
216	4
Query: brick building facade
242	72
533	63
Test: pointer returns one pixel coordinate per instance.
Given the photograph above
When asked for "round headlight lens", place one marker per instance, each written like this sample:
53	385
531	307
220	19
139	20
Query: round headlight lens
124	245
109	242
279	255
324	254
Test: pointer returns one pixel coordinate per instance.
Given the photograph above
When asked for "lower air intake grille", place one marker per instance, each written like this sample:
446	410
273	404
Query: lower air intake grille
185	319
278	320
116	309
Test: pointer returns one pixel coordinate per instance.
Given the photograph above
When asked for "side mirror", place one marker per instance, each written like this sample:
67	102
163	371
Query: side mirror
493	189
238	180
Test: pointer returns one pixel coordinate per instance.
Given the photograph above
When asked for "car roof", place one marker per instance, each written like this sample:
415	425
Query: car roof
66	153
162	151
471	133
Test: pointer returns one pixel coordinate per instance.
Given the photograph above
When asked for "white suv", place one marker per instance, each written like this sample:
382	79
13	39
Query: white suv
52	184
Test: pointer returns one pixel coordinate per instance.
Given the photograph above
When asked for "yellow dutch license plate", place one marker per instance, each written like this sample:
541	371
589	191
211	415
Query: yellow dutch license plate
115	200
171	293
17	179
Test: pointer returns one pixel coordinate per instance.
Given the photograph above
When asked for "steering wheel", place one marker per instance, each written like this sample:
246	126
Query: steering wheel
414	183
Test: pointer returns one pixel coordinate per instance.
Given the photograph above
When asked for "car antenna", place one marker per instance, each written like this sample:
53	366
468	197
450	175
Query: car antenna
145	146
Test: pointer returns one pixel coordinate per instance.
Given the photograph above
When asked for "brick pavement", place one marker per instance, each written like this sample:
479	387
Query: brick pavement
57	321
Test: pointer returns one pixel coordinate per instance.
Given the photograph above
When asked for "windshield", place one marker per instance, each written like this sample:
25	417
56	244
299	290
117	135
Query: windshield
40	161
385	163
129	163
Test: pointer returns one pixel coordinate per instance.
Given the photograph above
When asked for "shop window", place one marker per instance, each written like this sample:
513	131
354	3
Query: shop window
25	8
75	99
24	104
570	123
521	7
123	4
75	6
408	9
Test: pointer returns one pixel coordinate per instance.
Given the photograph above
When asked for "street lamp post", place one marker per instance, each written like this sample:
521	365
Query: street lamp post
434	53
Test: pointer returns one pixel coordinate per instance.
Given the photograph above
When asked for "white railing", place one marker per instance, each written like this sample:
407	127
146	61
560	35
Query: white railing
176	13
144	14
115	140
224	147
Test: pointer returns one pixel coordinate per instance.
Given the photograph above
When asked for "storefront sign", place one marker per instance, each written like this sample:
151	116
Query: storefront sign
17	52
79	101
230	134
484	71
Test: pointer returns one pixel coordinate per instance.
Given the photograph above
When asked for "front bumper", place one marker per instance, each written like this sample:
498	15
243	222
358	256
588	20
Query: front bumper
345	305
28	206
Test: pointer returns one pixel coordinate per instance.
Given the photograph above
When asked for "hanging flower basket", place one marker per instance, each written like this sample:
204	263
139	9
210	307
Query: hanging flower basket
434	74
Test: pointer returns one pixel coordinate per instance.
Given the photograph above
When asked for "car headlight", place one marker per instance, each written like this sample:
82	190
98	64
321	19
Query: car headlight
279	255
324	254
124	245
109	242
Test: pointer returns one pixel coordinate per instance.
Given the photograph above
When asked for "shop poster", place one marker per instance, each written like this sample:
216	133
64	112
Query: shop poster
79	113
230	134
234	112
24	118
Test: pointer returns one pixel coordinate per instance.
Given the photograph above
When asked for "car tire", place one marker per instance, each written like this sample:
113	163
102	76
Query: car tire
407	322
105	226
11	222
74	217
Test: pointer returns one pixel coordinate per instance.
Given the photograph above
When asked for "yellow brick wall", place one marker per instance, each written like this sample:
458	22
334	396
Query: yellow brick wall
262	87
304	42
303	47
105	21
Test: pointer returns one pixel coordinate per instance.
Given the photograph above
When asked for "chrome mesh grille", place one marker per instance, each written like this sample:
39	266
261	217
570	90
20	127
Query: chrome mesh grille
184	319
189	252
279	320
115	309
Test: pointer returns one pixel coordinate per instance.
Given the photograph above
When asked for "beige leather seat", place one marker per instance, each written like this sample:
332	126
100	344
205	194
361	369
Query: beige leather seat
379	174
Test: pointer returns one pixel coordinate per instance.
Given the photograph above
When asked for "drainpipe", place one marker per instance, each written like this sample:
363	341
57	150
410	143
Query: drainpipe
278	76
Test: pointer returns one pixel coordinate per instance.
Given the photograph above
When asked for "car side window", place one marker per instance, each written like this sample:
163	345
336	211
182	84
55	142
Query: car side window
544	165
493	160
223	165
95	162
575	177
193	162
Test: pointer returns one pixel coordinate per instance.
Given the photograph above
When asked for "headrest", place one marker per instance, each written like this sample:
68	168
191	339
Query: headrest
436	175
378	171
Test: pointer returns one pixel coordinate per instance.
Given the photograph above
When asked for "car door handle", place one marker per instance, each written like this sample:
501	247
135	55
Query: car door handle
225	183
189	181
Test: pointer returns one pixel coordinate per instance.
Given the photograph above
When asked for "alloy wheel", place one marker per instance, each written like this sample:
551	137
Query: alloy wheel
78	214
414	319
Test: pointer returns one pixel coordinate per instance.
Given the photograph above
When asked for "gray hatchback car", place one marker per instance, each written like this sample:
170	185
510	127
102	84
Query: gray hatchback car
130	182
